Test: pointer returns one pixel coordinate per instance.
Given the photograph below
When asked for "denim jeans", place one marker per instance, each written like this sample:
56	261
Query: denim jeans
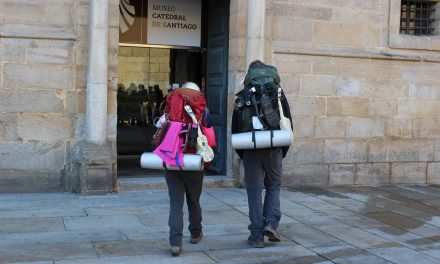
263	168
181	183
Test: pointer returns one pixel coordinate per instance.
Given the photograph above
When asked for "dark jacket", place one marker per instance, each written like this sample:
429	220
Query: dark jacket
286	112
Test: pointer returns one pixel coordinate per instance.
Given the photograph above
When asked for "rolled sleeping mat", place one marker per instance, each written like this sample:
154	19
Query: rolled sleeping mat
262	139
191	162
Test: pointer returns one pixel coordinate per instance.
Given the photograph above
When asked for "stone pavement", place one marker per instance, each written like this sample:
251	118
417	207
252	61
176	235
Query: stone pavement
382	224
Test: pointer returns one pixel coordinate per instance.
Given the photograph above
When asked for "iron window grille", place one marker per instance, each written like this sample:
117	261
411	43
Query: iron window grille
416	17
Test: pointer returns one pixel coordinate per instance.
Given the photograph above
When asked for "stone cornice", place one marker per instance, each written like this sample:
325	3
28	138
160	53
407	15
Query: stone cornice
37	33
358	53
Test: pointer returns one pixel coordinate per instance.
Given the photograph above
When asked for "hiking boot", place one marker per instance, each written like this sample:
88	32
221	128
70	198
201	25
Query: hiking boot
197	239
272	234
176	250
256	242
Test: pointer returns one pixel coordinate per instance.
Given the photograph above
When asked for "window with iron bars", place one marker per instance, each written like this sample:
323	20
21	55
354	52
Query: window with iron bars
417	17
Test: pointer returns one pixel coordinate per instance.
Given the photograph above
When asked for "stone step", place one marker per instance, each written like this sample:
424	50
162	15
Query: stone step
158	183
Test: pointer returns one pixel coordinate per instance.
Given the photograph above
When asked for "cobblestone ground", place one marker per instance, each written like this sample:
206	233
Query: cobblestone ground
382	224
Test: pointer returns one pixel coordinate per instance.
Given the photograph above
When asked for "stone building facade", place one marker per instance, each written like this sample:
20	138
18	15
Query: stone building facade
364	96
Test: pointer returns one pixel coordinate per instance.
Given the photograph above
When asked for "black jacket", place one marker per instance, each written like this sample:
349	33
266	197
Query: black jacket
286	111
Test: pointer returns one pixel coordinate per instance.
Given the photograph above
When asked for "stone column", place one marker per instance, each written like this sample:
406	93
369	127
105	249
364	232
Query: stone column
255	30
97	65
92	158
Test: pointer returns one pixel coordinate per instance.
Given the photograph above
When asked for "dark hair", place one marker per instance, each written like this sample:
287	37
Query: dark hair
256	63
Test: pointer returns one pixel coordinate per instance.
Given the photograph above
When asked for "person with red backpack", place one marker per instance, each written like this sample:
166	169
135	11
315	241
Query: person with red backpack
181	182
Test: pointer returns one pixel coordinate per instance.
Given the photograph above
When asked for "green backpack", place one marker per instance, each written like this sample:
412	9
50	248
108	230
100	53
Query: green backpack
260	98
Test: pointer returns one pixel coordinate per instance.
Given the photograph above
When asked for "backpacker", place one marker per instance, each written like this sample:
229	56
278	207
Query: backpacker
259	99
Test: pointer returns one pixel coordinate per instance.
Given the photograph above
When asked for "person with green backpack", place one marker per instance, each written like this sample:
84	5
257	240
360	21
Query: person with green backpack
257	108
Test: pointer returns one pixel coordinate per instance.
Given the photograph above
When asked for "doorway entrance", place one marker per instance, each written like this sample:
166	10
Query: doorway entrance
147	73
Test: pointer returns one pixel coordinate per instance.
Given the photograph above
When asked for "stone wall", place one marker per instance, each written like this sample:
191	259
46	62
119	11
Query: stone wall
364	113
43	54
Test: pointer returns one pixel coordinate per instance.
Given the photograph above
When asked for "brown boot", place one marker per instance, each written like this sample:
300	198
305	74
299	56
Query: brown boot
197	239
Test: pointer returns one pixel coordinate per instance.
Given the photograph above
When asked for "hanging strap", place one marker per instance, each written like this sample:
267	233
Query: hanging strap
280	106
253	139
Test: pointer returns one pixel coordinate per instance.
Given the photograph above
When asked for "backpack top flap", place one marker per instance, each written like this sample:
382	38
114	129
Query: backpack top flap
178	98
259	71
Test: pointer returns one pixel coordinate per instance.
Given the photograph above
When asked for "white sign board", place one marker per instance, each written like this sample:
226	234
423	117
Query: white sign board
174	22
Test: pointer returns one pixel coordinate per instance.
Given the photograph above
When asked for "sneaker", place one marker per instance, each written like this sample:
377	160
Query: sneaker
257	242
272	234
176	250
197	239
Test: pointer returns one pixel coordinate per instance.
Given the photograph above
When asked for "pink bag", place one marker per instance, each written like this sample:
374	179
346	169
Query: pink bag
210	135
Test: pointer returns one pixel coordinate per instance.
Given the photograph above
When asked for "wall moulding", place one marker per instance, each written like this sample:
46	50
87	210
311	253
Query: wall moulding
37	33
362	54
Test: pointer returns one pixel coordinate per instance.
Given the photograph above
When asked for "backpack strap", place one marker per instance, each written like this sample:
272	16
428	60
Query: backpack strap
253	139
271	138
259	112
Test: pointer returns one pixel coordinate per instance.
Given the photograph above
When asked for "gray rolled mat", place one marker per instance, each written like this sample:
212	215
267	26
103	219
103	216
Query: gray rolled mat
262	139
191	162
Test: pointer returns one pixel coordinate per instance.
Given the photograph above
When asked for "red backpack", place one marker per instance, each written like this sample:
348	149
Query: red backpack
178	98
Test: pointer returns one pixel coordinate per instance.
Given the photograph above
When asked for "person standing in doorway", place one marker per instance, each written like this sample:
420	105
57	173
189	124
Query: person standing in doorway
262	167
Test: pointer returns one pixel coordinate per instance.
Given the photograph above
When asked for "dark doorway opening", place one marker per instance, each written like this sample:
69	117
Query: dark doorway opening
139	103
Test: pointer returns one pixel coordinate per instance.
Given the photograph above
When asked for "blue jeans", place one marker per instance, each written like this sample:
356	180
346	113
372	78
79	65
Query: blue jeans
263	168
181	183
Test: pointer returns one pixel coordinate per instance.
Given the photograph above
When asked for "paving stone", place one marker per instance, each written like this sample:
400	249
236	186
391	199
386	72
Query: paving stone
357	206
318	219
284	217
117	210
229	197
103	222
426	230
427	190
157	232
431	203
396	220
360	221
432	250
354	236
26	225
407	191
261	255
34	262
49	238
394	234
42	252
307	236
156	218
293	212
232	216
334	252
319	205
432	220
362	258
130	247
403	255
340	213
390	205
49	212
165	257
